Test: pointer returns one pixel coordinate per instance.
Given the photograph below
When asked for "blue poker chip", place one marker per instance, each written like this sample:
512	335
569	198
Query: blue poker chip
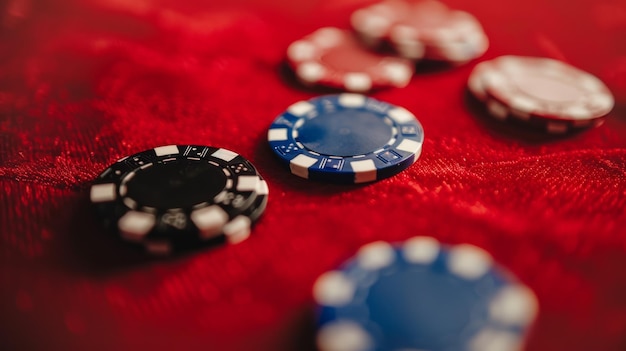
346	138
422	296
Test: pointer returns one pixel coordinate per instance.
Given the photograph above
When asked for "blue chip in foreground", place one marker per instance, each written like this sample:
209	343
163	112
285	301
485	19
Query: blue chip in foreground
422	296
346	138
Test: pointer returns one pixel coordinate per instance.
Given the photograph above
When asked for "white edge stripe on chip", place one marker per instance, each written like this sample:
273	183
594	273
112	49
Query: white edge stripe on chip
399	74
300	164
343	335
209	220
103	192
328	37
357	82
376	255
410	146
490	339
417	155
497	110
514	305
310	72
247	183
468	262
411	49
262	188
238	229
333	289
134	224
421	249
277	134
166	150
225	155
300	108
301	50
476	87
401	115
352	100
364	171
401	34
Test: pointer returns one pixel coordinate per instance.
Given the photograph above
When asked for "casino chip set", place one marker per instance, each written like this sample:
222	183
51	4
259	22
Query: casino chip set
416	295
174	197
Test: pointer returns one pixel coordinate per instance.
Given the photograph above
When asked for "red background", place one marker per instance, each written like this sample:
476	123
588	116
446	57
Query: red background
83	83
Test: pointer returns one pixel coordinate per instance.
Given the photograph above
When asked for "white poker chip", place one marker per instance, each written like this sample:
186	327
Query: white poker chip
542	91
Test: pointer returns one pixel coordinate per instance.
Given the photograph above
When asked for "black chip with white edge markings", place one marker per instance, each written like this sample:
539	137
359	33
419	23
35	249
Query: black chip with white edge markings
175	196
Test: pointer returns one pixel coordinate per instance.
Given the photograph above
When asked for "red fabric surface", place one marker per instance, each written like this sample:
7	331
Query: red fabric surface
83	83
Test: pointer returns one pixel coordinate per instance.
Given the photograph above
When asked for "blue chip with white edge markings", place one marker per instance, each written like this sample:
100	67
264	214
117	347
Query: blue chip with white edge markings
421	295
346	138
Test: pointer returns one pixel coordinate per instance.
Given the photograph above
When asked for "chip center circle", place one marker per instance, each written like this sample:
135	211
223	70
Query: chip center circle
348	58
428	313
345	133
178	183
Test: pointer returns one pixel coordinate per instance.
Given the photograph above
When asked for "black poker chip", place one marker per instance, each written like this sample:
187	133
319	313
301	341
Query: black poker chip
179	196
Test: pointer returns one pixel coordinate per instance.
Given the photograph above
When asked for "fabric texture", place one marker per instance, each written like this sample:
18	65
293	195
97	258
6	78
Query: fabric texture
84	83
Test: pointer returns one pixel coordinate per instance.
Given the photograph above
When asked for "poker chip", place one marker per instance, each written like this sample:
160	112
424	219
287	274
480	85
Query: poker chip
346	138
334	58
421	29
179	196
422	295
541	91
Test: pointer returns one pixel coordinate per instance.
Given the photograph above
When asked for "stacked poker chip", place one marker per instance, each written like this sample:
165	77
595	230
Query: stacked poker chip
178	197
360	61
546	93
421	29
422	295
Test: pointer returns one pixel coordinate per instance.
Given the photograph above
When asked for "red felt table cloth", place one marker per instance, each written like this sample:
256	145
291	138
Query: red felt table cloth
84	83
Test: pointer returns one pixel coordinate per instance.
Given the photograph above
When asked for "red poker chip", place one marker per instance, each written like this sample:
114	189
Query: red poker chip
333	57
546	88
421	29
